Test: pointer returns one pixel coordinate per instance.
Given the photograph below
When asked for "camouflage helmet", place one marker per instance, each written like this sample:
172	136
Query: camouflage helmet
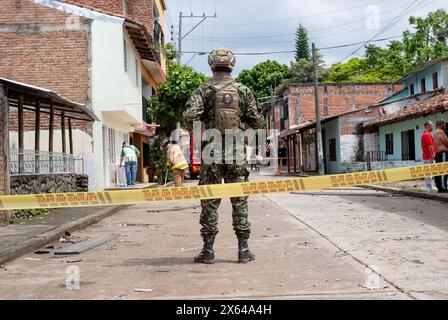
223	58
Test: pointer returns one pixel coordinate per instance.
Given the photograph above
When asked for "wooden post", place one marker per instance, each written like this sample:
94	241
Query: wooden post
302	166
70	135
64	141
4	104
288	153
51	137
21	137
37	138
70	139
294	141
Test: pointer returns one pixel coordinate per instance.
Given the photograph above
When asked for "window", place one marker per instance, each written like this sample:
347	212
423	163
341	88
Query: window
423	85
412	89
285	109
408	145
332	146
435	81
389	144
111	149
125	51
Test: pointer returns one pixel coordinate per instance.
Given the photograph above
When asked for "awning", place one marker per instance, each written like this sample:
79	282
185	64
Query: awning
46	98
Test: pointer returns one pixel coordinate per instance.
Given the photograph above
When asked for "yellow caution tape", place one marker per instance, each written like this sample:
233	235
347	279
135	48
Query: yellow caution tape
127	197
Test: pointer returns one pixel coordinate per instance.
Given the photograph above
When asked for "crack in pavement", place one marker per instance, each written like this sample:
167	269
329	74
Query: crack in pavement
382	276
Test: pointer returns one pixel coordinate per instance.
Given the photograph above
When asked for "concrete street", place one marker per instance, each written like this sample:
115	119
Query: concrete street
337	244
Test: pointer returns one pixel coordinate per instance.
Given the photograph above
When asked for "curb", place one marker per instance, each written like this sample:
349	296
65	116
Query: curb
47	237
408	193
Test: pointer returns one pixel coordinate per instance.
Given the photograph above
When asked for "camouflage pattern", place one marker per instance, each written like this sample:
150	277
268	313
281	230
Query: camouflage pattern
201	108
214	174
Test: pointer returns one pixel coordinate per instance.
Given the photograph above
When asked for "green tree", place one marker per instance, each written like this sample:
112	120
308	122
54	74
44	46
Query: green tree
429	40
264	76
167	106
302	44
302	71
380	64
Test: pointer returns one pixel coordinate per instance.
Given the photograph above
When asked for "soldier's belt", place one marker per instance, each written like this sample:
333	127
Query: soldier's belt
127	197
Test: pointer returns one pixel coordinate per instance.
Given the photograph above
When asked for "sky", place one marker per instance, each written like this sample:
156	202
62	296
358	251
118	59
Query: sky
257	26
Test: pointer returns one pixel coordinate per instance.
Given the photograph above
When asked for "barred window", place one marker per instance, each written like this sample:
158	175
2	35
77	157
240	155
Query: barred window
389	144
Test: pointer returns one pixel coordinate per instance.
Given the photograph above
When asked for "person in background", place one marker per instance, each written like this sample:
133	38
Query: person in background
176	160
429	151
129	155
441	144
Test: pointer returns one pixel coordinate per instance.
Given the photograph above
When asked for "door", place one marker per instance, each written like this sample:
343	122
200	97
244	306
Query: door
324	150
408	145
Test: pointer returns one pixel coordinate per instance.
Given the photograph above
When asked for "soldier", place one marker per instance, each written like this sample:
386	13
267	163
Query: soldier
224	104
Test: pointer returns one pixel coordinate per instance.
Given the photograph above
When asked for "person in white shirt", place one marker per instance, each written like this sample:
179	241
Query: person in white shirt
129	155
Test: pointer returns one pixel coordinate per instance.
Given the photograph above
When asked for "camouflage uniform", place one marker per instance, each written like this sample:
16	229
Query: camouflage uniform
201	108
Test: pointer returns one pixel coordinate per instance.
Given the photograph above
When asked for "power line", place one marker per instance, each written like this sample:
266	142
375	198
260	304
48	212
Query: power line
292	51
310	31
301	18
290	41
221	39
387	27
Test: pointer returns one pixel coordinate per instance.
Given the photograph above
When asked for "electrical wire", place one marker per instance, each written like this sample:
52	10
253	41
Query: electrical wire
387	27
221	39
292	51
309	31
301	18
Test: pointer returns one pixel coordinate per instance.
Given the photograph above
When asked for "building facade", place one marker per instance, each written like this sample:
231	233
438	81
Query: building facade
104	54
402	123
293	116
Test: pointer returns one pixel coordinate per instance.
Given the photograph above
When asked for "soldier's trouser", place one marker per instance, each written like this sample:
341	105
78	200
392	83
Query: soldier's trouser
214	174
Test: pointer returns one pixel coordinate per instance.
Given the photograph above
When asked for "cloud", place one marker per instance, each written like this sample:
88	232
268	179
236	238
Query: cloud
246	26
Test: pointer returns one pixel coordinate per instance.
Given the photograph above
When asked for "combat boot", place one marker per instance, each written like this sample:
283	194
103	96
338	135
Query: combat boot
244	254
207	254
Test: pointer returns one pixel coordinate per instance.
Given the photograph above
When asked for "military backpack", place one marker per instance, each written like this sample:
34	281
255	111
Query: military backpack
227	107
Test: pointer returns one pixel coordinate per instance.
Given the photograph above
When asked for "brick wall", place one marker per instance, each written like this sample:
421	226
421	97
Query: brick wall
137	10
29	122
334	99
54	58
108	6
141	11
25	12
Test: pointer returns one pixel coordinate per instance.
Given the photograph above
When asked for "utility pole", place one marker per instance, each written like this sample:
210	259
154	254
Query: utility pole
182	37
179	42
320	152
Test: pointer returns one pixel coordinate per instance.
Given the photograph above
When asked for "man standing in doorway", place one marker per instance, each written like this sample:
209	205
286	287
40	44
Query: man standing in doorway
429	151
129	155
441	144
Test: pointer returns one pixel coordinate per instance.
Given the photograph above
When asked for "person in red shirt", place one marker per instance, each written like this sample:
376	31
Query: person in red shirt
429	151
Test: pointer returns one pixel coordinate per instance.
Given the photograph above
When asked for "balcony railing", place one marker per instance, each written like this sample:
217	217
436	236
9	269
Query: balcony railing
42	162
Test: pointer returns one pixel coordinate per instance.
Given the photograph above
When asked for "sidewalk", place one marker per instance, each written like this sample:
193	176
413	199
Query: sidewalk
413	188
20	239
